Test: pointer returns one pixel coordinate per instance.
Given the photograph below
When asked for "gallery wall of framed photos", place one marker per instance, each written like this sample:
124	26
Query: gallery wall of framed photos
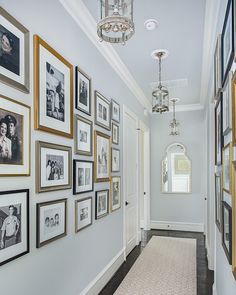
59	107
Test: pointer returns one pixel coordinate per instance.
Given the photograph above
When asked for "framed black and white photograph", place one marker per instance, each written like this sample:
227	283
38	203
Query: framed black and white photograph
83	213
102	111
115	197
101	204
115	111
115	133
219	138
53	90
14	224
218	200
227	230
226	167
84	136
227	105
14	138
53	167
14	52
228	40
82	176
217	67
82	91
102	157
115	160
51	221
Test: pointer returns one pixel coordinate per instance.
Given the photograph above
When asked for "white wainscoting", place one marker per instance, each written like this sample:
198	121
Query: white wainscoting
169	225
105	275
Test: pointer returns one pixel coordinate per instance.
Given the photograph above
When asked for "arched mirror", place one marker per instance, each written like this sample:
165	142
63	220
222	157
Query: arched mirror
176	170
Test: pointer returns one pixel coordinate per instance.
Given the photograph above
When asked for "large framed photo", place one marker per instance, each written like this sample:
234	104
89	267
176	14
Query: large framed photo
115	111
115	160
227	105
227	230
228	40
233	85
83	91
14	138
53	90
14	224
51	221
218	200
234	220
82	176
101	204
102	111
217	68
83	213
219	138
102	156
115	196
53	167
226	167
115	134
84	135
14	52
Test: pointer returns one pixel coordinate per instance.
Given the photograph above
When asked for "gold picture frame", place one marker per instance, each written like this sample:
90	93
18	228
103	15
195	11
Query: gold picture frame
227	149
234	219
233	85
53	96
117	206
78	150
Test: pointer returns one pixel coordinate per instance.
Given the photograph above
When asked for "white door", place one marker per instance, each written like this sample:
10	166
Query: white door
130	180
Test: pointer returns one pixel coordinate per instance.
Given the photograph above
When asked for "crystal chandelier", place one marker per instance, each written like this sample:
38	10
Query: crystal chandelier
174	124
160	95
116	24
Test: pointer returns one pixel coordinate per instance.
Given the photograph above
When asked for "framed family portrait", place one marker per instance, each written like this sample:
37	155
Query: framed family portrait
51	221
101	204
218	200
83	91
53	90
14	52
115	196
14	138
102	111
14	224
53	167
115	111
227	105
102	155
219	138
217	67
115	160
226	167
82	176
84	135
115	134
83	213
227	230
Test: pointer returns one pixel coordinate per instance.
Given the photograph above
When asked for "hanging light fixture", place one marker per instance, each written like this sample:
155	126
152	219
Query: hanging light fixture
160	95
116	24
174	124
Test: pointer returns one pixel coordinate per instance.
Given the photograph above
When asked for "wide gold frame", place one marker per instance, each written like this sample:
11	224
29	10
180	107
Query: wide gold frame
37	42
111	194
230	146
233	165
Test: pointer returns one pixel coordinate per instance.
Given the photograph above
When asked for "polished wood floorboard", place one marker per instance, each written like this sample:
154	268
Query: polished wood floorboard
205	277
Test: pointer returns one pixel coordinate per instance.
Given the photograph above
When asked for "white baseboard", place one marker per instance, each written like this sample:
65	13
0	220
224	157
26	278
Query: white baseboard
104	276
214	290
195	227
209	256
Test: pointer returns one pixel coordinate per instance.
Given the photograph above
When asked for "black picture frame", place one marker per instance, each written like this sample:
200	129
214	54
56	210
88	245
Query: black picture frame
219	130
96	206
118	133
77	228
27	250
81	72
218	200
228	252
97	96
75	161
113	116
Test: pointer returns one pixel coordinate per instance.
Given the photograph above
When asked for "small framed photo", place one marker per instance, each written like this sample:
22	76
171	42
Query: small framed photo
102	111
115	111
14	52
219	138
51	221
84	136
227	105
217	68
226	167
14	224
83	91
83	213
82	176
233	90
115	160
14	138
53	90
227	230
218	200
102	154
53	167
115	134
115	197
101	204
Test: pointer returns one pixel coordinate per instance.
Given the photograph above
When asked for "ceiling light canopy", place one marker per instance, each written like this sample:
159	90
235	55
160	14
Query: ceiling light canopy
151	24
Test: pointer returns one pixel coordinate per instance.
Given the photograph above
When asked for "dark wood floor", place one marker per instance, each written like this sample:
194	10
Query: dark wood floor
205	277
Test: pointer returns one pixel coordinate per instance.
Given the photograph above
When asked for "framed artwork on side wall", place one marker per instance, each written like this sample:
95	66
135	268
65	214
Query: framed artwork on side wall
115	160
218	200
233	85
82	176
226	167
234	219
115	196
83	91
219	138
115	111
84	136
102	111
217	68
227	230
101	204
83	213
115	134
227	105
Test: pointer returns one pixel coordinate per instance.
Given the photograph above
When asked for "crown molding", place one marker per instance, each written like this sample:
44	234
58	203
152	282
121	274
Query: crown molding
187	107
80	13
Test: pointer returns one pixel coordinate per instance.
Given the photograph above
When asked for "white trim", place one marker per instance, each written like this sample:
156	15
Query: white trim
100	281
80	13
183	226
187	107
214	289
142	223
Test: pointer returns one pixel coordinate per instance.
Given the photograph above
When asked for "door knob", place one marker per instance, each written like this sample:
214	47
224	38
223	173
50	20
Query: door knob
126	203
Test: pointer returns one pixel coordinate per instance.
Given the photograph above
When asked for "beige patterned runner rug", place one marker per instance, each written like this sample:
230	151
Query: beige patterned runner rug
167	266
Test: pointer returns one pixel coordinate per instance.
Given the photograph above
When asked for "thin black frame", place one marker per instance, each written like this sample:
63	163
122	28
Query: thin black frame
219	102
77	69
76	214
96	94
118	133
218	221
112	149
105	214
112	114
27	223
74	176
228	253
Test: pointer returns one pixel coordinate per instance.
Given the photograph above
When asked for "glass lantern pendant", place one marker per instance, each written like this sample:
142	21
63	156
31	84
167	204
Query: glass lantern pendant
174	124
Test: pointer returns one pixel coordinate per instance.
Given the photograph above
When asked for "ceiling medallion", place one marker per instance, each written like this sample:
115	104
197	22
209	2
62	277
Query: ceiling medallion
151	24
